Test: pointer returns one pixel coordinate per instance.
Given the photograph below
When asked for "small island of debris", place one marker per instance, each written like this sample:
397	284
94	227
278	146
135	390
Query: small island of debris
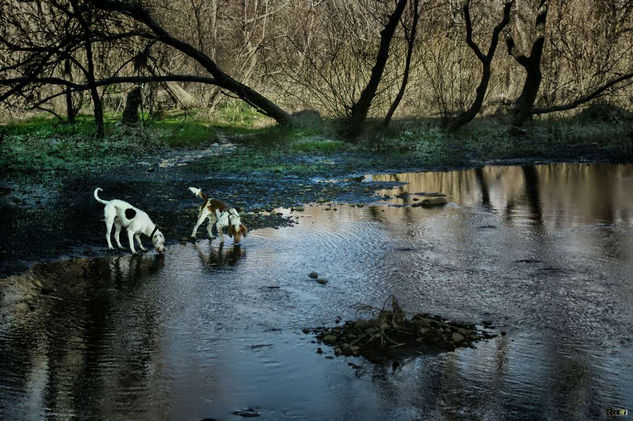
390	335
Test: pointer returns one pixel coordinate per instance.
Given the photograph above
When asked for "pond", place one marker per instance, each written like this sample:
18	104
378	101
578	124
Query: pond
542	252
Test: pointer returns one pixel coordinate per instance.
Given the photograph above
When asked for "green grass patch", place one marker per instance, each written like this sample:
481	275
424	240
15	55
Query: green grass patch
319	145
29	153
44	143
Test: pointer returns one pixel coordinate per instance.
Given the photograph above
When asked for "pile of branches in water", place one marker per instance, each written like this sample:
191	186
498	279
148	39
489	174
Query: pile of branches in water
391	335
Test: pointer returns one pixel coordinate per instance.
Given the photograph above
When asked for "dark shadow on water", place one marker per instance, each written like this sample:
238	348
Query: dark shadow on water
485	192
81	313
532	193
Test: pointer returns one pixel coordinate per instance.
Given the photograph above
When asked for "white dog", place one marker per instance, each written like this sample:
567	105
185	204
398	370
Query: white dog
122	214
224	216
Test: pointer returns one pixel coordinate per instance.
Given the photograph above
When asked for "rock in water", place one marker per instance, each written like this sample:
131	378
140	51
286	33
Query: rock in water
329	339
247	413
313	275
322	281
434	201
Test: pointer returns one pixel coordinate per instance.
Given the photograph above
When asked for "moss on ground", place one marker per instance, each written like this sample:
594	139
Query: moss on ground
44	144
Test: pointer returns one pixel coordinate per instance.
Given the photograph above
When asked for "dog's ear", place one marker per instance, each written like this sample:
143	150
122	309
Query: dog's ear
243	230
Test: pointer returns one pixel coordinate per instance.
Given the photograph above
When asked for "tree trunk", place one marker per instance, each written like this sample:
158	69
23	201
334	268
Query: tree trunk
525	103
361	107
89	71
532	66
407	65
98	112
132	104
97	104
467	116
70	110
486	61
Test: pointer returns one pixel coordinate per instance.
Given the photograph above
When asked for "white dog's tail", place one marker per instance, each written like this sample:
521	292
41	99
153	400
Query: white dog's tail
198	193
97	190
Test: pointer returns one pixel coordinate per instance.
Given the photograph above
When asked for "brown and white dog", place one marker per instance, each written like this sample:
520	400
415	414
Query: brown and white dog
224	216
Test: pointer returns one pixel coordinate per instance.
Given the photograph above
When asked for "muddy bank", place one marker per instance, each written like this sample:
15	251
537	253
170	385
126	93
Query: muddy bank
53	215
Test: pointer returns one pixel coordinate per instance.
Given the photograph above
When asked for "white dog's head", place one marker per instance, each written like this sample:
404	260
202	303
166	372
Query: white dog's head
158	240
236	228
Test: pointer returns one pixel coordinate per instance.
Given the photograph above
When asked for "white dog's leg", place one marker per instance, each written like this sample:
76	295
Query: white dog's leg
138	240
220	234
109	214
117	234
130	236
201	218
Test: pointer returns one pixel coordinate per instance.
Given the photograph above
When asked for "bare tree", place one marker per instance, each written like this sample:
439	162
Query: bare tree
343	58
141	14
47	40
590	54
612	85
486	61
410	38
532	66
85	15
359	110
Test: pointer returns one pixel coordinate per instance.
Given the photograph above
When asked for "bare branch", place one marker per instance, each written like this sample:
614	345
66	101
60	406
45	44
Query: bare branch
108	81
469	33
137	12
585	98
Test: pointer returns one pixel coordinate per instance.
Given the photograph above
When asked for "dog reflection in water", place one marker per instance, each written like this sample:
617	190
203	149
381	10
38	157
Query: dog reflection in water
219	257
130	267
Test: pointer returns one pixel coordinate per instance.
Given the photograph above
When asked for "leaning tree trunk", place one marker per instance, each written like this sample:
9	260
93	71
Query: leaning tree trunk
532	66
247	94
410	36
608	87
486	61
360	109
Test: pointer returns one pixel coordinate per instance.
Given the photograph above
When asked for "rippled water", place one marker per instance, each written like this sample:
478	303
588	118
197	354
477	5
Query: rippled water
544	253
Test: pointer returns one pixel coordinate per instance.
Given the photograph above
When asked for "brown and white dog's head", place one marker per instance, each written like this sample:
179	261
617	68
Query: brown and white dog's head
236	228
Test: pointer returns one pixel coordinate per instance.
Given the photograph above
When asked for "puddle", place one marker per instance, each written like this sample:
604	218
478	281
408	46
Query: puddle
544	253
182	159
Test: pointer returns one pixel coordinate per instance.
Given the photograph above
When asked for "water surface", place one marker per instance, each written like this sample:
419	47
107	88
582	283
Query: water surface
543	252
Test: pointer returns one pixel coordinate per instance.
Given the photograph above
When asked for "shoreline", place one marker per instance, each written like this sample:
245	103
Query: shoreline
266	193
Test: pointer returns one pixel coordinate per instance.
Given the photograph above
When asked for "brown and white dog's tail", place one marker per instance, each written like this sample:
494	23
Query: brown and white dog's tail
97	198
198	193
